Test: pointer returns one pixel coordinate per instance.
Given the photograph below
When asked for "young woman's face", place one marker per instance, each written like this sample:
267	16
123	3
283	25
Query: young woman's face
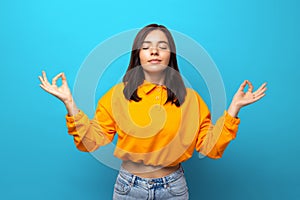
155	52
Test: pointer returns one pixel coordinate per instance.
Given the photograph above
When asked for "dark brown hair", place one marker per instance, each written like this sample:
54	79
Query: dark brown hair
134	76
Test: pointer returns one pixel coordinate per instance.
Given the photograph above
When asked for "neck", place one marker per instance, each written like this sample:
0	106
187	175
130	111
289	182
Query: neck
158	78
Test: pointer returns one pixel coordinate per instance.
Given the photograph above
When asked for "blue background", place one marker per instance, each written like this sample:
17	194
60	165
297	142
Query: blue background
255	40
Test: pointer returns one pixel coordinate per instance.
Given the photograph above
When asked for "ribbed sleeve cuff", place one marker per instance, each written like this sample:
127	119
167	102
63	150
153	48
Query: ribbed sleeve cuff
72	119
231	124
231	120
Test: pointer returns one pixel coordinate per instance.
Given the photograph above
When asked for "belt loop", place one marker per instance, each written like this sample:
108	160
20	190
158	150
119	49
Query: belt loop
165	182
132	180
181	168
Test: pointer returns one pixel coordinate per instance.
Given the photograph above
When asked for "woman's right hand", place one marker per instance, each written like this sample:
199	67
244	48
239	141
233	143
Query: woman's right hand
62	92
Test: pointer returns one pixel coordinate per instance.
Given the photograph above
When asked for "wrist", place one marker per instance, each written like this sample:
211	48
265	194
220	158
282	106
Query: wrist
233	110
71	107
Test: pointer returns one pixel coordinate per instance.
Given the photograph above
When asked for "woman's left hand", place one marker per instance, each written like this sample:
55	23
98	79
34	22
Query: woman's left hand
241	98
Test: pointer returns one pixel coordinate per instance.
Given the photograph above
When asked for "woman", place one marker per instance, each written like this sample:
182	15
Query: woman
159	122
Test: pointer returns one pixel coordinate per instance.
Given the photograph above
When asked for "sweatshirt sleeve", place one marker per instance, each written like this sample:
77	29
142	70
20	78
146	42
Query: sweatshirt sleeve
88	134
213	139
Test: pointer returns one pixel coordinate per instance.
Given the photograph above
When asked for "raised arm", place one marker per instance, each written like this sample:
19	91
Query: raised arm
62	92
213	139
88	134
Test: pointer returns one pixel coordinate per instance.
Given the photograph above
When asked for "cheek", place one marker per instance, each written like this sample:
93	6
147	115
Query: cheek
167	58
143	57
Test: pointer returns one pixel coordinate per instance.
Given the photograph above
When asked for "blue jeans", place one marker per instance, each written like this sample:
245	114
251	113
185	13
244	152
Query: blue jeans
132	187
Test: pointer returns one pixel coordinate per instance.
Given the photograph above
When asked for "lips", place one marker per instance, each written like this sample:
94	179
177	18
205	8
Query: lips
154	61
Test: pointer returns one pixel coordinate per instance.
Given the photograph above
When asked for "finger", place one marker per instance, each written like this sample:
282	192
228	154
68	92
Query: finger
64	79
42	80
55	78
44	83
259	96
259	92
242	86
262	86
44	88
261	89
250	89
45	78
49	89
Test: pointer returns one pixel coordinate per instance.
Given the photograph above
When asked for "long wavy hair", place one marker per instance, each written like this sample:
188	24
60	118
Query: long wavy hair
134	75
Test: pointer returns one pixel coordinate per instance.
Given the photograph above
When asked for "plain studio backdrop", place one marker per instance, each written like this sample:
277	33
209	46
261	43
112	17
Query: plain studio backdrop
255	40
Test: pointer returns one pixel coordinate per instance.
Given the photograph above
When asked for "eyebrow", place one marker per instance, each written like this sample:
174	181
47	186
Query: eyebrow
158	42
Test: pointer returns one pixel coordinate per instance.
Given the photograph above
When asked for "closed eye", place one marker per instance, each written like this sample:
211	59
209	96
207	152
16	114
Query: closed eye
163	45
163	48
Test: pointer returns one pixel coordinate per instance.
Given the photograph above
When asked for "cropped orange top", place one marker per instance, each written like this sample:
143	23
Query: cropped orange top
150	131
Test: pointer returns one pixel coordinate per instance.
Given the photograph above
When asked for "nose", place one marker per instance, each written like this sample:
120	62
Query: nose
154	51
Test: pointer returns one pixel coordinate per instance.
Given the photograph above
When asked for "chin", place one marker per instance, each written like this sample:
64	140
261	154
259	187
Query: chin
154	68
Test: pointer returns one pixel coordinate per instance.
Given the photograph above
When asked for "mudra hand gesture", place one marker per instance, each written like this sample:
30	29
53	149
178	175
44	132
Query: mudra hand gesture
241	98
62	92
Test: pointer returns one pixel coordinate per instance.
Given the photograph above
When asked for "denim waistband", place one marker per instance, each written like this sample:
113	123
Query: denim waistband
151	182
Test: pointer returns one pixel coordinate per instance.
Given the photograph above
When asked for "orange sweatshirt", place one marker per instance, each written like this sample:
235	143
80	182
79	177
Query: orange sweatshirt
150	131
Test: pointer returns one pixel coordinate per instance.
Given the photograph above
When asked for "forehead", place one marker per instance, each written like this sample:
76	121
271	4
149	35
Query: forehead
156	36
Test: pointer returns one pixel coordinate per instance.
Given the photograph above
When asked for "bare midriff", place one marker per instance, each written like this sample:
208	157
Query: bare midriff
148	171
